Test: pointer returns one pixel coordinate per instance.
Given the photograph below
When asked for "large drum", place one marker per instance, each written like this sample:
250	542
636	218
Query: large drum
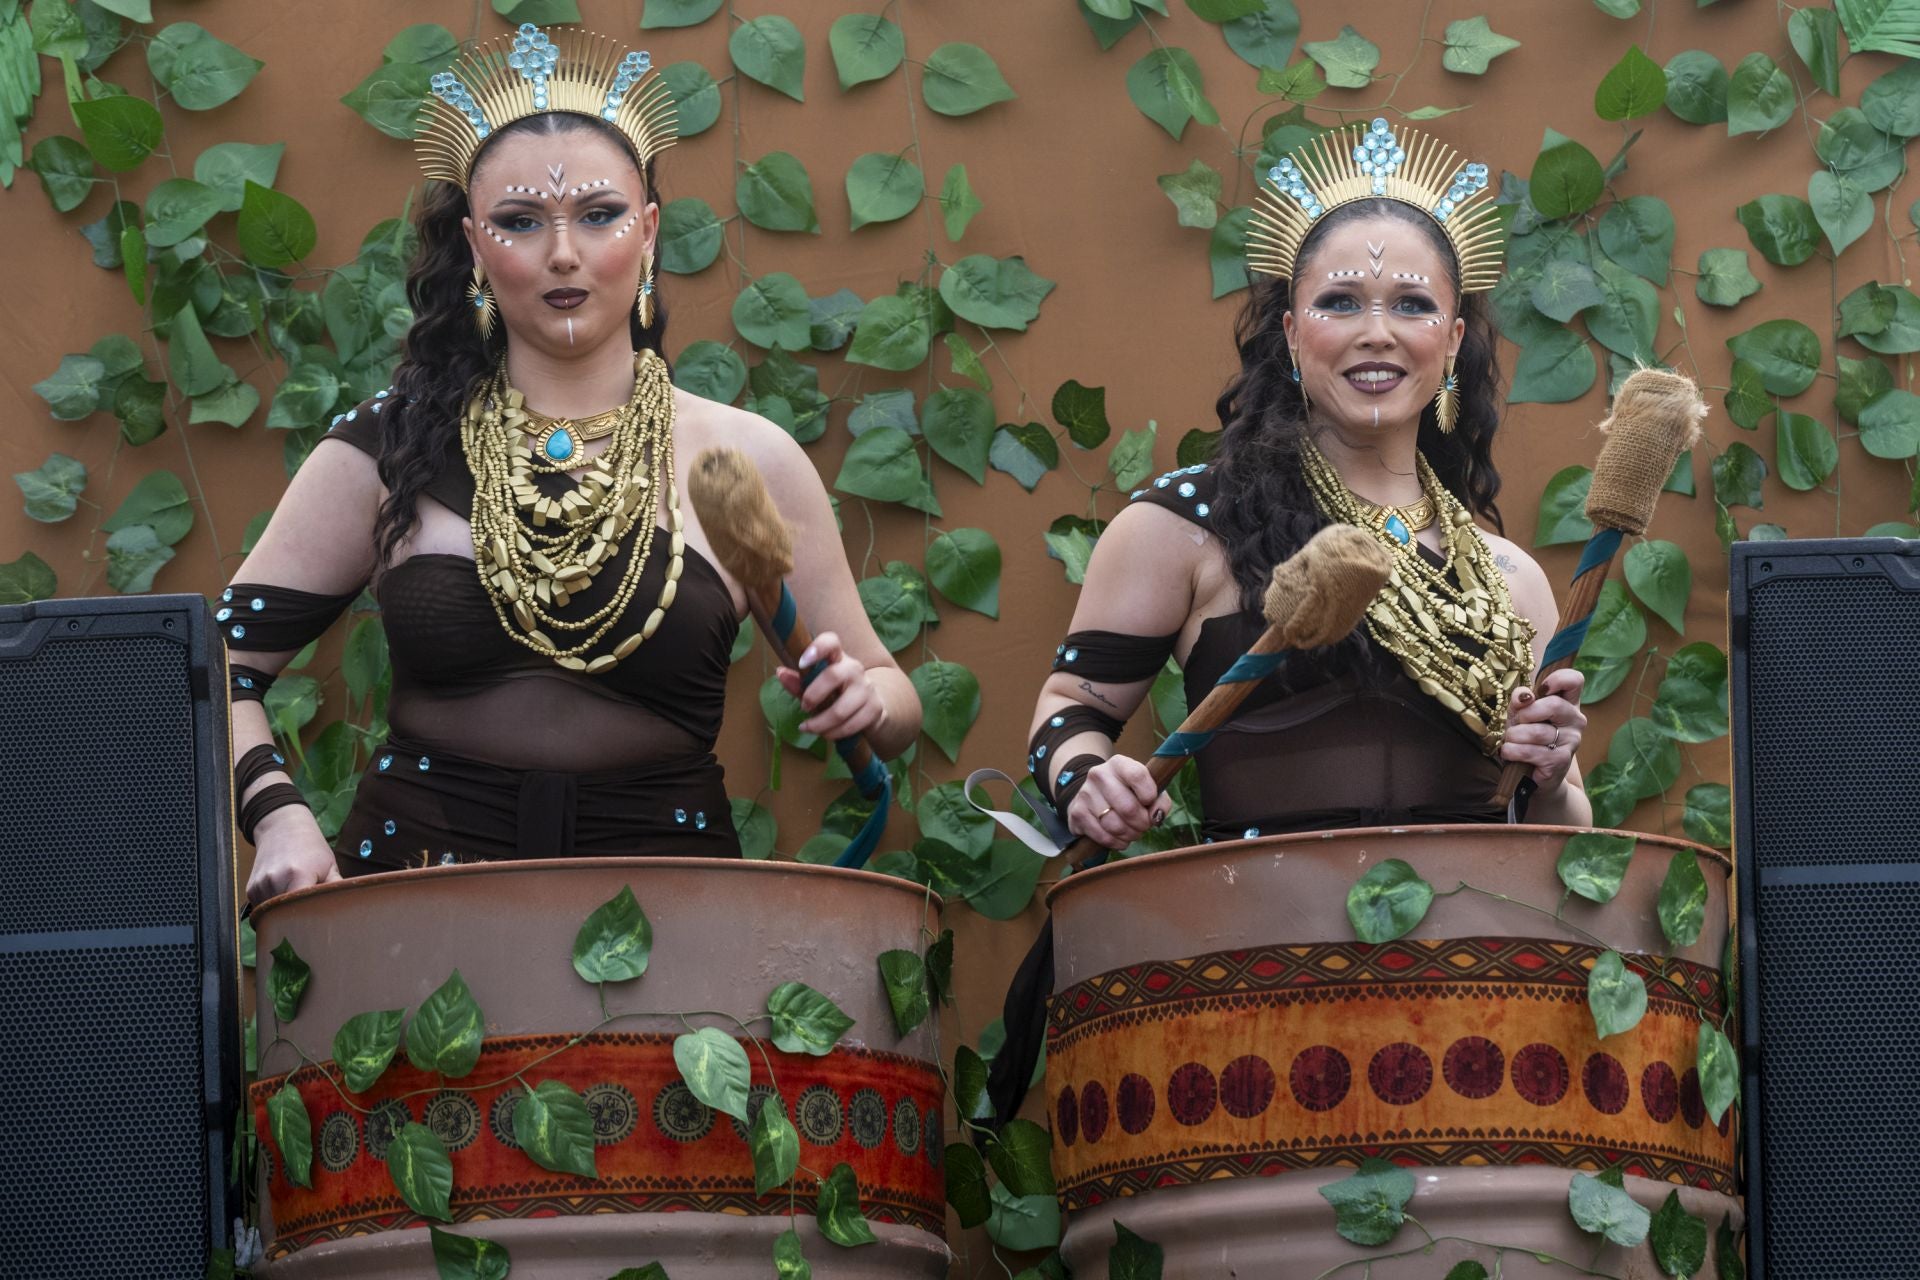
675	1179
1221	1047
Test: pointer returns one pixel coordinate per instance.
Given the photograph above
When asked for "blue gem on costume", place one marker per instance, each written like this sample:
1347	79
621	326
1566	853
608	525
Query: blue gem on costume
257	604
1072	654
278	758
425	764
386	762
352	414
1041	754
239	632
245	682
560	445
366	848
227	594
700	821
223	615
382	395
680	816
1187	490
447	859
1058	722
1163	482
1250	833
1136	493
1066	776
1398	531
1202	510
391	826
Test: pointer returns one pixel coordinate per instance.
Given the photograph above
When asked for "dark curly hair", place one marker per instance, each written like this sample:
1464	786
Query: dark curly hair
1265	512
443	359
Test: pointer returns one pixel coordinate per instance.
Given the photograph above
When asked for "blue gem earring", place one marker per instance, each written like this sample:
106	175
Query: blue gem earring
643	303
480	295
1446	402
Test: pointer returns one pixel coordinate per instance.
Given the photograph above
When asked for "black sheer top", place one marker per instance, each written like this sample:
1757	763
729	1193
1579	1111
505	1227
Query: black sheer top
1314	747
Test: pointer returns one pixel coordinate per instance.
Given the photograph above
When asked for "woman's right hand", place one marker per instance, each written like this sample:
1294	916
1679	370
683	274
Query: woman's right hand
1118	803
289	853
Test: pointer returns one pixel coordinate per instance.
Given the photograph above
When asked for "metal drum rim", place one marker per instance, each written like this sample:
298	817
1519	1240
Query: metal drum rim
1489	830
407	880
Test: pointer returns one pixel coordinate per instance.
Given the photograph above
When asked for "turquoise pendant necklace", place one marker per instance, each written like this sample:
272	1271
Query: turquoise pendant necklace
558	440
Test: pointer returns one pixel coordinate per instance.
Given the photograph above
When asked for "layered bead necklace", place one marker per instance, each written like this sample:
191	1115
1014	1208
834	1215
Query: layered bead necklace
1452	627
535	552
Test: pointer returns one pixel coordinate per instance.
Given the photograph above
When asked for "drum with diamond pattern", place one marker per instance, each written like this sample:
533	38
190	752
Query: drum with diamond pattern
1220	1048
675	1180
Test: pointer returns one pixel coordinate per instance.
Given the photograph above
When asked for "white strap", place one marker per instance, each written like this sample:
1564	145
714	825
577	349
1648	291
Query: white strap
1048	843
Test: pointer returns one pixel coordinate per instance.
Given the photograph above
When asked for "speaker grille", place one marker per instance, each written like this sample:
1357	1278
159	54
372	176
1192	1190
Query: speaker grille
1841	1118
103	1169
97	787
1835	745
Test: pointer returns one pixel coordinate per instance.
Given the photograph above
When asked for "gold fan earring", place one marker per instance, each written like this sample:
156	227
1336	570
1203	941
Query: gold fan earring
643	303
1446	401
485	310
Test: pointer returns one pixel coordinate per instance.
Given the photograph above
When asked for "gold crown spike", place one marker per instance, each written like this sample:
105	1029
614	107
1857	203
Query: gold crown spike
504	80
1369	162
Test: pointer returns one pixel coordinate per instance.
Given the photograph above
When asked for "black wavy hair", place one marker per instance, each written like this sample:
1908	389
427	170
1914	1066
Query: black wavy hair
1265	511
443	359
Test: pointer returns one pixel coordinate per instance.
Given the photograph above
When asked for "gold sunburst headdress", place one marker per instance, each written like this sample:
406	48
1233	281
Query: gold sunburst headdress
1362	162
501	81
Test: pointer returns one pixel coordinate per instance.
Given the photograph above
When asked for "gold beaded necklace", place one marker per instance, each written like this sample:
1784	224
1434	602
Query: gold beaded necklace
534	552
1453	627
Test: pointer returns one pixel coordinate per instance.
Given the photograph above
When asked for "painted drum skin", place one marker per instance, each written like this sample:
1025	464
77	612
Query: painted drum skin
1220	1047
676	1179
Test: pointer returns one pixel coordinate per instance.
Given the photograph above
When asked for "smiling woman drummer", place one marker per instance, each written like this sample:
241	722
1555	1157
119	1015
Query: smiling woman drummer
559	628
1368	394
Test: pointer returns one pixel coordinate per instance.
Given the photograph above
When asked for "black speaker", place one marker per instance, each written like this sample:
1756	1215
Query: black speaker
1824	680
120	1071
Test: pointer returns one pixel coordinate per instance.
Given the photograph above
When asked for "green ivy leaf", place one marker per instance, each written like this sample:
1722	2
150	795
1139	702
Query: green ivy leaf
1602	1206
1557	367
677	13
837	1212
1815	34
1697	87
1083	412
1747	400
553	1126
1218	11
1635	87
1470	1270
894	333
1719	1068
134	555
1628	316
1616	995
769	49
1227	251
964	566
1169	89
1022	1154
775	193
789	1262
1471	45
1683	900
200	71
967	1184
1660	576
65	168
1300	83
121	131
959	79
775	1146
391	98
541	13
890	407
1841	207
177	209
1195	194
1725	278
56	29
882	465
1804	450
446	1031
1131	459
1902	333
305	396
1785	352
1566	179
1648	760
709	369
696	97
773	312
1604	675
897	606
1849	145
1593	864
715	1068
1070	540
866	46
804	1021
958	204
1023	1222
1867	310
951	696
1385	903
1005	884
227	167
159	501
1025	451
994	293
1760	96
1707	815
1637	233
426	44
615	942
292	1132
904	976
1107	27
1891	103
1348	59
468	1257
72	391
421	1171
230	405
1679	1239
883	187
1782	228
52	493
274	229
1890	423
1563	288
1562	517
1618	628
691	235
1264	36
365	1044
1370	1205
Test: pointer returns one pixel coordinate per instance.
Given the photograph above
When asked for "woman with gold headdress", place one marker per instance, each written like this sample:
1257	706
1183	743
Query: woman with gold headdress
558	629
1368	393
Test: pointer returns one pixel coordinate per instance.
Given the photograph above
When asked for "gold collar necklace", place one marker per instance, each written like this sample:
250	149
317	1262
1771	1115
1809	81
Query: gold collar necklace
559	439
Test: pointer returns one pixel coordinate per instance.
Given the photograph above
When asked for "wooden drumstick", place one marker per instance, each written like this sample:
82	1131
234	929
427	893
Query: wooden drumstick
754	544
1656	417
1316	596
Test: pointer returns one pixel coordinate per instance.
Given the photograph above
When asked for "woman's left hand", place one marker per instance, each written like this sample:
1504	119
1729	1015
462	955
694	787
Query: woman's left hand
841	701
1545	731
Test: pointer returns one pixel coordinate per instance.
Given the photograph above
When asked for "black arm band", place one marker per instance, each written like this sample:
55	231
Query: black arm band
1060	728
252	766
1113	657
1068	781
277	796
247	684
270	619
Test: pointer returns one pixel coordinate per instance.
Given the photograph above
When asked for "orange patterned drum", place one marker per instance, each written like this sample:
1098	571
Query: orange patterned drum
1220	1048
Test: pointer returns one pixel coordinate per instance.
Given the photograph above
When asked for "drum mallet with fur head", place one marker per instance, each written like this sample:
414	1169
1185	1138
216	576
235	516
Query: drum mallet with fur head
1656	417
1316	597
755	545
